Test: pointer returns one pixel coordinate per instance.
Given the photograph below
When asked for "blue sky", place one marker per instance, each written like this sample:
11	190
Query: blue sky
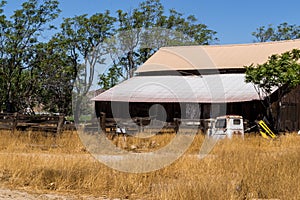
234	20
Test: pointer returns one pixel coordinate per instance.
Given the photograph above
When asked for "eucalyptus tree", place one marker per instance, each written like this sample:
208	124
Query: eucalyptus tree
283	31
83	38
19	35
53	70
2	52
281	73
143	30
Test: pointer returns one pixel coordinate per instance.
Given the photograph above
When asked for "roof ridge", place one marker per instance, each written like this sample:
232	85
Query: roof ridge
233	45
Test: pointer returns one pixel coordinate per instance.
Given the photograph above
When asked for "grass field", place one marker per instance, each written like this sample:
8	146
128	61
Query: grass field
253	168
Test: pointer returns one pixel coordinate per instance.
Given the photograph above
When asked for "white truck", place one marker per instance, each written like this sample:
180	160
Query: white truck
227	126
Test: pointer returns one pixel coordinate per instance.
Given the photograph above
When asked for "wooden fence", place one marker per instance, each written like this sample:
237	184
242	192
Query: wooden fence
16	121
139	124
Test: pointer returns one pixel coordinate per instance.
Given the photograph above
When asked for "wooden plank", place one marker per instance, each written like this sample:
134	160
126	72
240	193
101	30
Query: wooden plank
15	121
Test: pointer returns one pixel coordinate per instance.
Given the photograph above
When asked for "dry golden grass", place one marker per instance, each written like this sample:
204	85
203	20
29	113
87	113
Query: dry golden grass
236	169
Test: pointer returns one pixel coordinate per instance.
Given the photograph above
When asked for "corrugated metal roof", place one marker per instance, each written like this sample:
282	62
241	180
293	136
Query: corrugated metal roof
215	56
215	88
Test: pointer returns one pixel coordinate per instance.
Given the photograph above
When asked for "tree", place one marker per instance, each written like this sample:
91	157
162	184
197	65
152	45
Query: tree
35	71
143	30
281	73
283	31
2	51
19	35
54	72
111	78
83	37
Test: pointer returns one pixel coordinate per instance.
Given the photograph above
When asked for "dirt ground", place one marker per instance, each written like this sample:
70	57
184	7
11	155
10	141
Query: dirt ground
8	194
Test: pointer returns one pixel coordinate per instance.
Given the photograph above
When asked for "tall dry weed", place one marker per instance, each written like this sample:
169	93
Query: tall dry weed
247	168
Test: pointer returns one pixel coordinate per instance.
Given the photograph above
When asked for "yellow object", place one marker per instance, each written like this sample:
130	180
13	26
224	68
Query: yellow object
264	135
267	130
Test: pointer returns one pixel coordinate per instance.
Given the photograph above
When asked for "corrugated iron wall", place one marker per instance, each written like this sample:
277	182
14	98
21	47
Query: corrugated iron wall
249	110
290	111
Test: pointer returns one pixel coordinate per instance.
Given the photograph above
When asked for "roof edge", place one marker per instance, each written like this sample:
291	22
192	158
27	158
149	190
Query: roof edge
233	45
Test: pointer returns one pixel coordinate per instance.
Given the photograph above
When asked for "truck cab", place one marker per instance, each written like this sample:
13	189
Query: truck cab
228	125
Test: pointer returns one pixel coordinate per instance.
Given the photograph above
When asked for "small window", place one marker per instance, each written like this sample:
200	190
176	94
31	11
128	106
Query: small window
221	123
236	121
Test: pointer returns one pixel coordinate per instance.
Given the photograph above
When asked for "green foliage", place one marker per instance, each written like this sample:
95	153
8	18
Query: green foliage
35	71
283	31
110	79
82	37
278	72
19	36
53	67
143	30
281	73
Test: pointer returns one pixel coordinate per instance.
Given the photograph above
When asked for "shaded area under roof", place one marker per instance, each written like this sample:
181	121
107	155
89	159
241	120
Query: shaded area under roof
217	88
215	56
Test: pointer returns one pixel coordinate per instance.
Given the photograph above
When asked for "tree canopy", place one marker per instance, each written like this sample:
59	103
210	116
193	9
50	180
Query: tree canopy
283	31
20	36
280	73
46	72
143	30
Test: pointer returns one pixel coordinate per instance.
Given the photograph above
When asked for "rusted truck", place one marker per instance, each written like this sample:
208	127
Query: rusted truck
227	126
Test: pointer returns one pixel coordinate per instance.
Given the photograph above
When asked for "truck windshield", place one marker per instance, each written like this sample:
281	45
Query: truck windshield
220	123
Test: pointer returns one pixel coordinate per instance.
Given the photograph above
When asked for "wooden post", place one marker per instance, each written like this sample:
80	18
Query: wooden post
60	124
176	122
141	127
103	121
14	122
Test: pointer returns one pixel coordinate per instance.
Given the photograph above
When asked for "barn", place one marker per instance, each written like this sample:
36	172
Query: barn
198	83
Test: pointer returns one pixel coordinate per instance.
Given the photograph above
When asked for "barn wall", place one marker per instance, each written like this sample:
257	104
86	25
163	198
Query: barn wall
125	109
289	118
249	110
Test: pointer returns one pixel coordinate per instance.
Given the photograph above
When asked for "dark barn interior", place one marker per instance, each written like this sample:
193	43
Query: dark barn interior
193	111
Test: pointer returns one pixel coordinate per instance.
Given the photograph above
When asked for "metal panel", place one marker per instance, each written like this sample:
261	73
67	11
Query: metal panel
290	110
217	88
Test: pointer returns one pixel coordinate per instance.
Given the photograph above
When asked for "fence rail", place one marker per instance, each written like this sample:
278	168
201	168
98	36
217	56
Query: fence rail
16	121
139	124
